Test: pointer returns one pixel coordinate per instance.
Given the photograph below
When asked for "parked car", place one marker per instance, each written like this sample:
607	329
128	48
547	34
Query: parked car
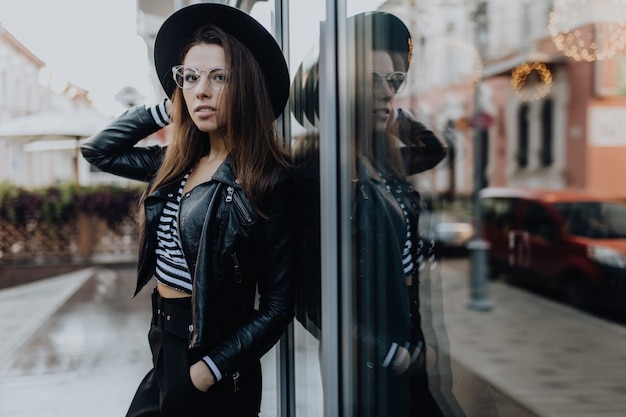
450	232
571	242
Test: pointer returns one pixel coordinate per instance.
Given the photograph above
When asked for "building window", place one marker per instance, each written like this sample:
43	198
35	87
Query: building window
4	93
18	98
522	145
547	133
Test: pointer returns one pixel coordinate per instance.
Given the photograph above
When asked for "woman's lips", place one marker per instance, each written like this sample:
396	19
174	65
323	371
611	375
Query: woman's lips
204	111
381	112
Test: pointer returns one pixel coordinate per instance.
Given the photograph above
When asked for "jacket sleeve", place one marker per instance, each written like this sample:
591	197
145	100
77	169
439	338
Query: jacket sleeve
423	150
113	149
273	251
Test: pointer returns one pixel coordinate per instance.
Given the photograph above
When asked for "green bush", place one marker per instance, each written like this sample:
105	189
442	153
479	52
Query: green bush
58	204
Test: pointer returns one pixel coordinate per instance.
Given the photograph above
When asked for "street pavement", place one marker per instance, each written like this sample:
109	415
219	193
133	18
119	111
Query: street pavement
76	345
555	360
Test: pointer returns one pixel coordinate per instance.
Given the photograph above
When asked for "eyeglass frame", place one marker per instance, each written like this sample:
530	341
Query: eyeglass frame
388	77
198	72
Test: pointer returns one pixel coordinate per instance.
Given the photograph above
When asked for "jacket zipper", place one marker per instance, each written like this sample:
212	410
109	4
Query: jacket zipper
230	191
363	192
236	376
222	210
237	269
232	197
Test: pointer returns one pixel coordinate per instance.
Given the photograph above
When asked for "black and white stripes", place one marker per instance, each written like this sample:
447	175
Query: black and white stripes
159	114
171	266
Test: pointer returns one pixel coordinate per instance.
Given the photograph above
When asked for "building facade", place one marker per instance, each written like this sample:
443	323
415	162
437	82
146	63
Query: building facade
559	130
21	94
40	127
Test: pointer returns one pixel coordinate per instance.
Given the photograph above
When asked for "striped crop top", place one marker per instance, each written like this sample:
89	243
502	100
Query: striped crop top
171	266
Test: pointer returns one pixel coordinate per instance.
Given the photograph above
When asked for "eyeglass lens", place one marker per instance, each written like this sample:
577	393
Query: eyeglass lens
394	79
187	77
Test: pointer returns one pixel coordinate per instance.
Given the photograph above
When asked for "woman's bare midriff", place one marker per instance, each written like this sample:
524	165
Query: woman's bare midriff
167	292
410	279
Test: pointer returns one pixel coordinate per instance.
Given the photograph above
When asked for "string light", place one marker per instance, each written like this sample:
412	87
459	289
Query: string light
588	30
531	80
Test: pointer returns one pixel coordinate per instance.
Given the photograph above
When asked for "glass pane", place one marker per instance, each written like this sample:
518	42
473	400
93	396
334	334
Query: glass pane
305	17
400	364
394	347
264	12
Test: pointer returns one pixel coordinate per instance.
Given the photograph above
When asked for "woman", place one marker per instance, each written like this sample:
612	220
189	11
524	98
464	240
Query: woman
216	224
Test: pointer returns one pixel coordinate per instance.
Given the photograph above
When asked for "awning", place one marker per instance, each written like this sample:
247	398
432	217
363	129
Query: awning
504	67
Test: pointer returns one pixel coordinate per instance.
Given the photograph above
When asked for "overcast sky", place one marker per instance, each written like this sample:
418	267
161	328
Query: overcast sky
94	43
91	43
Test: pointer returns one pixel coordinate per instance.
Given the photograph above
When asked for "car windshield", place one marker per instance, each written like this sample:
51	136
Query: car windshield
596	219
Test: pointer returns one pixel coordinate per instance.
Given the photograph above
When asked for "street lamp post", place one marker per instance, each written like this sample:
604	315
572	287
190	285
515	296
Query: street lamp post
479	294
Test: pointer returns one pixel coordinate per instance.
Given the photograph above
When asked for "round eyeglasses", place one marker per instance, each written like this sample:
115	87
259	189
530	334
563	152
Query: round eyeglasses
187	77
395	80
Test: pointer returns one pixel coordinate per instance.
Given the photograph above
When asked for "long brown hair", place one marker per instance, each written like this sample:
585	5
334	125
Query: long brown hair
254	149
377	149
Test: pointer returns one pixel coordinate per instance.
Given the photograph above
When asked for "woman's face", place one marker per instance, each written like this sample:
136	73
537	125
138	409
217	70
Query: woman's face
382	93
206	106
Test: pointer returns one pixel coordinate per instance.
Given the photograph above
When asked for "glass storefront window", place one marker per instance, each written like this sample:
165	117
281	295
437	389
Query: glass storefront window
369	112
305	19
366	284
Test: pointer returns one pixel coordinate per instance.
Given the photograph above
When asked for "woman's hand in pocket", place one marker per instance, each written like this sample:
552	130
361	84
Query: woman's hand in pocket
201	377
401	361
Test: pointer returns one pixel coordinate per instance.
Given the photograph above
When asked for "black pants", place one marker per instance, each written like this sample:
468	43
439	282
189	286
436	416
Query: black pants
167	390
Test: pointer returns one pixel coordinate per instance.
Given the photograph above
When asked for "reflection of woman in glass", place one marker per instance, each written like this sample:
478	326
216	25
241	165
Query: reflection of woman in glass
389	145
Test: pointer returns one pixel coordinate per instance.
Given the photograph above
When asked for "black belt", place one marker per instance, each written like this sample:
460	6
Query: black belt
171	318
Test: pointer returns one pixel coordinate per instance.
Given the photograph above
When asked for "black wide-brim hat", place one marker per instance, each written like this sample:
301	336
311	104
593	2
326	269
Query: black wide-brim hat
178	29
389	33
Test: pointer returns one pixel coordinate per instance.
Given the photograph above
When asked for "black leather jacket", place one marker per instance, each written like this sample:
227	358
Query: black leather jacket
423	151
231	251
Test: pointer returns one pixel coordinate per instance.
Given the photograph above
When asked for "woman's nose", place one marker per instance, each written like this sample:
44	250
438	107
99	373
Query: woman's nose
203	88
383	91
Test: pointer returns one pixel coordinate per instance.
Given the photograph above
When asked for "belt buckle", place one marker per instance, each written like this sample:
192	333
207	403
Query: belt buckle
157	309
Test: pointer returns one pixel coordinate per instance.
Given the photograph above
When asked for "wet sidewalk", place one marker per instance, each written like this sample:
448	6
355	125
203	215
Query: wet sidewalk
72	345
551	358
76	345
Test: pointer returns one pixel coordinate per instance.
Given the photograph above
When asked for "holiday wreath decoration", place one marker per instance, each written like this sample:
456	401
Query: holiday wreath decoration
531	80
